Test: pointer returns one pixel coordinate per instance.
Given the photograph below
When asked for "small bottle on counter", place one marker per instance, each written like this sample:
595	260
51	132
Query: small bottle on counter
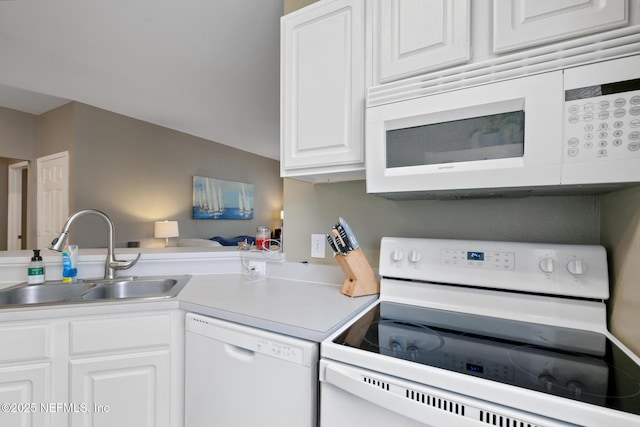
35	272
70	264
263	234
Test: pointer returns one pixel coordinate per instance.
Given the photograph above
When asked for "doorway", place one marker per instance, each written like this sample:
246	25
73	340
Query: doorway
53	196
17	206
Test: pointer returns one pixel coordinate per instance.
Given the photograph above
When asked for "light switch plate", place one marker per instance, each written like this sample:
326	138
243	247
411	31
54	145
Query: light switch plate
317	245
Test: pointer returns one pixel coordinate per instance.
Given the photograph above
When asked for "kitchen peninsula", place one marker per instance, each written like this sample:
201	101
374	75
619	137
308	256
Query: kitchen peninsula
64	350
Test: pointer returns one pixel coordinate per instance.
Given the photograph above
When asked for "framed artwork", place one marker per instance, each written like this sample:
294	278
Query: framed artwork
219	199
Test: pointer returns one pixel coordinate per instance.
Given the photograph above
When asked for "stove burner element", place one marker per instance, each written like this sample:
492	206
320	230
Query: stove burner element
404	340
573	375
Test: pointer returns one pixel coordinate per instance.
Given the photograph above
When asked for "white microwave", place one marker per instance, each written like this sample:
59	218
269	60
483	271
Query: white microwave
577	126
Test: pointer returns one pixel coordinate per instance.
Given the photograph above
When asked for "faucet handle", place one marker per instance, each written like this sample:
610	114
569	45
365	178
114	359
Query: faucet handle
117	264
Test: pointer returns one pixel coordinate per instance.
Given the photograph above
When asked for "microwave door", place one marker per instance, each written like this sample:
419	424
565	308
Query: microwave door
489	137
506	134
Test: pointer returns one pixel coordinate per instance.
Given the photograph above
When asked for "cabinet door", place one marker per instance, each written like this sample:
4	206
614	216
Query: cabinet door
22	387
322	89
129	390
519	24
411	37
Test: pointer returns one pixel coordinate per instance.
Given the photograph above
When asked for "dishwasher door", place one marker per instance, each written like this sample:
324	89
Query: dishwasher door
241	376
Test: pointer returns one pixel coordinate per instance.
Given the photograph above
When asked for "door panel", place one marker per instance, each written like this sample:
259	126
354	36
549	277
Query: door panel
53	196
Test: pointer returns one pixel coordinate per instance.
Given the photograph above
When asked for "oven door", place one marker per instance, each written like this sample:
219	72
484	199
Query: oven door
498	135
352	396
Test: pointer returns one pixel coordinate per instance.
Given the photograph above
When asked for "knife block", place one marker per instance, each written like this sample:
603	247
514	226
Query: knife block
360	278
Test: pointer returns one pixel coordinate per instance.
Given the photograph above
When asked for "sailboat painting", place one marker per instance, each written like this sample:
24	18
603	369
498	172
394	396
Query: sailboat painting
218	199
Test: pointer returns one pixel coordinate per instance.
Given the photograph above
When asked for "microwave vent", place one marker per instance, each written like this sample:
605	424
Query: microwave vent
584	50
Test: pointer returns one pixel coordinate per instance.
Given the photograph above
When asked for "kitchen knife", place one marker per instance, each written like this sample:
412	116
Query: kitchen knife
343	236
339	242
350	236
332	244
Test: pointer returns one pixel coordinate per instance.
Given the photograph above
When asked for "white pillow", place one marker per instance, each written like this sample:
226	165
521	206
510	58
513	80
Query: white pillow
198	243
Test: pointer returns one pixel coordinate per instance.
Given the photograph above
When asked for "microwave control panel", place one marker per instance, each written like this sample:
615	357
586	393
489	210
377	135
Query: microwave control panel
601	126
601	140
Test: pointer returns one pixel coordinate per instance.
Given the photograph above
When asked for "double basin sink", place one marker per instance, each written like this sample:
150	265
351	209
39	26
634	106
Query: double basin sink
93	290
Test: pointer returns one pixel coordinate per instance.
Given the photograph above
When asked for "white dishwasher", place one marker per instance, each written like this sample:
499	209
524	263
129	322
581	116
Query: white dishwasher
241	376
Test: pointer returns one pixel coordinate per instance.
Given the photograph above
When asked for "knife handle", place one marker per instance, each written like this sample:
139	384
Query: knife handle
332	244
339	242
343	235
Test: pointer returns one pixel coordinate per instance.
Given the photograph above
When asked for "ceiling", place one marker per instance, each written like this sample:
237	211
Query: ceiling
209	68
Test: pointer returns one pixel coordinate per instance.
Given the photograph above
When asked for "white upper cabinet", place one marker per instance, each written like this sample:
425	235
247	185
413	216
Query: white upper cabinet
415	36
323	91
519	24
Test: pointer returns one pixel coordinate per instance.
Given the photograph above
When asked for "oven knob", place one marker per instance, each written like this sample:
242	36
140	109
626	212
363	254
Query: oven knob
577	267
547	381
413	352
576	388
414	256
397	255
396	348
547	265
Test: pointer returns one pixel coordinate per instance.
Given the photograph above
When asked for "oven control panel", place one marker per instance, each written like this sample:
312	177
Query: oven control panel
555	269
479	259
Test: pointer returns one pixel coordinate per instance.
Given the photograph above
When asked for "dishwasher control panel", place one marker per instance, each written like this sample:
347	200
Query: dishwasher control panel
248	341
279	350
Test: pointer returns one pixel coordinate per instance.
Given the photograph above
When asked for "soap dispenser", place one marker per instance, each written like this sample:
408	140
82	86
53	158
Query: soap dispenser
35	273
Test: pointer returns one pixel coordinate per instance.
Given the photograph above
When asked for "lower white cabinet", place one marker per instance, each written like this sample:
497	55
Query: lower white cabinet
25	373
22	387
129	390
121	369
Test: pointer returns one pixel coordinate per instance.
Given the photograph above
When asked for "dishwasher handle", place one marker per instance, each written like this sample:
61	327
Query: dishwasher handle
239	353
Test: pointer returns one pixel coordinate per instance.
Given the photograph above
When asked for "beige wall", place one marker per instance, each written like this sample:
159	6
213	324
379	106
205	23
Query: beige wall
56	130
138	173
56	133
292	5
19	141
315	208
621	237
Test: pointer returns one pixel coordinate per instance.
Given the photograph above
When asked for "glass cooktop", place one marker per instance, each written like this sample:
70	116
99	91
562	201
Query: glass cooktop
571	363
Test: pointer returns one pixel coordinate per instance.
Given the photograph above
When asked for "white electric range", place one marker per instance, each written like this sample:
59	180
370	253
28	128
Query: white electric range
470	333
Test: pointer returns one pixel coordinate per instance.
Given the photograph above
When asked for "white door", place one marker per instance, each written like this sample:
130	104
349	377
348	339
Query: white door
519	24
15	238
53	196
411	37
126	390
26	387
323	89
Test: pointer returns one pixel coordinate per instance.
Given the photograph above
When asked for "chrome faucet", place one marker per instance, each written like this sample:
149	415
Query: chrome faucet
111	264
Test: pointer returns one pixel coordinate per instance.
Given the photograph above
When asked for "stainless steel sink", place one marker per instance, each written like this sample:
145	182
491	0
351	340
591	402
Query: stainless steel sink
49	292
132	288
93	290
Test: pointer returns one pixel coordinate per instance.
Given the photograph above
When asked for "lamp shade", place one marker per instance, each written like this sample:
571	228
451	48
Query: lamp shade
165	229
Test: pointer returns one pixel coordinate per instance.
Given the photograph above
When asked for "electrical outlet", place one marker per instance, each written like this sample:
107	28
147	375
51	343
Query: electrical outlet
317	245
257	268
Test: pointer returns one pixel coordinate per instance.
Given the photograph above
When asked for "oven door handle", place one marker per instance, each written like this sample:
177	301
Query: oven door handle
422	403
376	389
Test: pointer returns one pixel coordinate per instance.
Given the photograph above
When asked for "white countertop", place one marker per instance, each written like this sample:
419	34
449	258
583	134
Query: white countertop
301	309
303	301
